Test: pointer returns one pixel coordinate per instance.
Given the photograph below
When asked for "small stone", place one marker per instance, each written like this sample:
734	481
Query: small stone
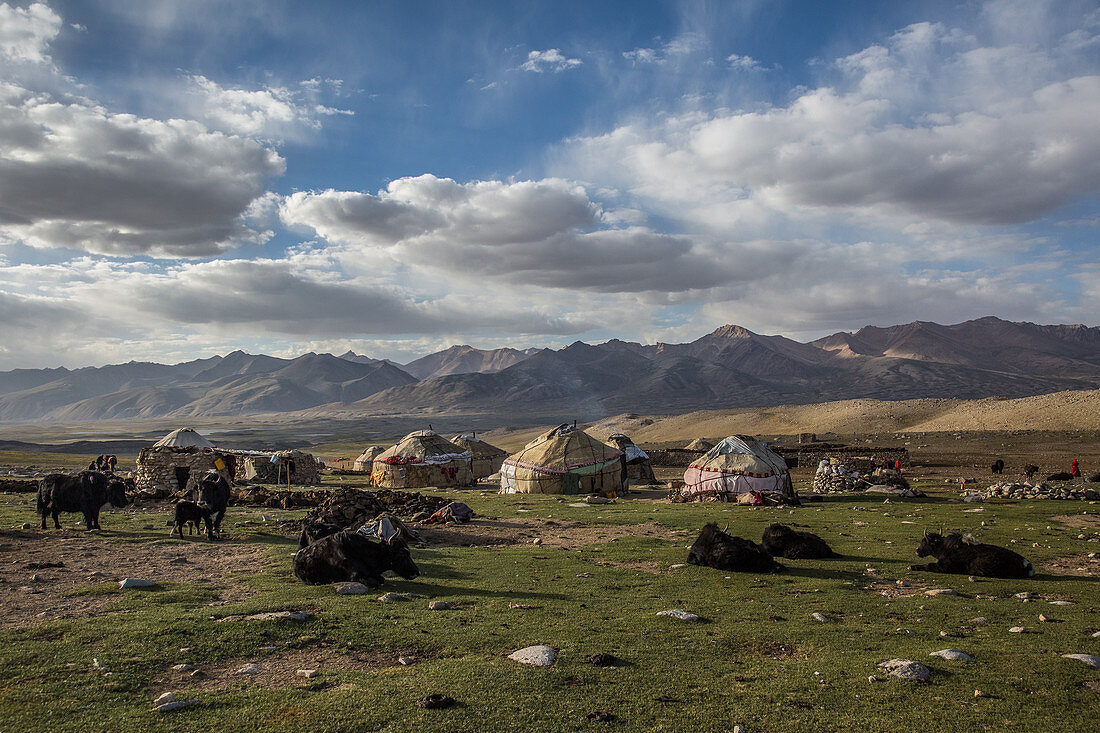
135	583
392	597
972	579
406	661
979	693
818	616
536	541
1061	603
97	665
677	566
1026	595
166	697
174	705
941	592
36	578
26	525
350	589
249	669
539	655
903	583
954	655
183	667
1017	630
1096	635
1088	659
943	633
979	620
679	613
1042	617
906	669
439	606
184	649
307	673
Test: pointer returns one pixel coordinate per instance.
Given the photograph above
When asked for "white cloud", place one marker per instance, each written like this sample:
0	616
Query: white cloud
25	33
683	45
551	59
74	175
743	63
272	112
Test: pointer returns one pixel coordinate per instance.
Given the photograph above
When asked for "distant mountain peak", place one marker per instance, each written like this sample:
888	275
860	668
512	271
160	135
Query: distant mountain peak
731	331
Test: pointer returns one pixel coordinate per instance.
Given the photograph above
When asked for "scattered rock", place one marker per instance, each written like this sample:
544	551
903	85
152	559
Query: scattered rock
183	667
1017	630
979	620
36	578
393	597
1088	659
406	661
979	693
135	583
600	716
307	673
1061	603
817	616
436	701
175	705
954	655
1042	617
166	697
350	589
1026	595
249	669
679	613
26	525
677	566
941	592
906	669
269	616
439	606
539	655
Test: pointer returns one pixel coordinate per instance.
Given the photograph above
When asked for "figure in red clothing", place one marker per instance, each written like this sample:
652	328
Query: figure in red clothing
897	467
1074	469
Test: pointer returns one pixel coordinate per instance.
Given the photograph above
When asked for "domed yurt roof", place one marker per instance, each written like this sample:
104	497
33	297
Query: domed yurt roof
562	460
627	446
423	446
737	465
477	447
368	455
183	438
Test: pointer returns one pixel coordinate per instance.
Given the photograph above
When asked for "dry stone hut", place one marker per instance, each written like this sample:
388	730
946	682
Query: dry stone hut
565	460
366	458
485	458
170	463
638	466
699	444
737	465
422	459
279	467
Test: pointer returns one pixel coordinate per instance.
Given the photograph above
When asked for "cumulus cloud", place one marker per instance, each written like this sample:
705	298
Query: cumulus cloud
271	112
25	33
75	175
551	60
548	233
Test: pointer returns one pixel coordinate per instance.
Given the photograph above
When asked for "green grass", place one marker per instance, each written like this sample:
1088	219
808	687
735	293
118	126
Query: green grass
758	660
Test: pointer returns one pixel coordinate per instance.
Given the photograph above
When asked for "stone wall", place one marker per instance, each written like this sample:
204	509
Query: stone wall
156	467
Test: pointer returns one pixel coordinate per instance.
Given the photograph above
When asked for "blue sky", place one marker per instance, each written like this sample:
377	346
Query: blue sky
179	179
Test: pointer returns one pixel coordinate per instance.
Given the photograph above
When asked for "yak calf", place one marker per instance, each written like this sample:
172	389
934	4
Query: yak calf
1030	470
349	556
783	541
86	492
714	548
954	555
191	514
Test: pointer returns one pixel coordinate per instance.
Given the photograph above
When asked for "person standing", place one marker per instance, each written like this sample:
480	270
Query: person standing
1074	469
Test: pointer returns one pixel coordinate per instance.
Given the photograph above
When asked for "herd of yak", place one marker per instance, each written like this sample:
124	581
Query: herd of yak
329	553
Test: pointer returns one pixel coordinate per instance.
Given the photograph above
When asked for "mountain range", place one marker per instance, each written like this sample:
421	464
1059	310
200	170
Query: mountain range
730	367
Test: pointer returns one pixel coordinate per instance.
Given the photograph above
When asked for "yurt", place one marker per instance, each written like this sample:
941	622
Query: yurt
638	467
737	465
183	438
424	458
699	444
485	458
366	458
170	463
565	460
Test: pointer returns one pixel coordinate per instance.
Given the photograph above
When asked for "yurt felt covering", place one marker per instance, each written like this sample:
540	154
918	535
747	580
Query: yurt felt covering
565	460
366	458
420	460
485	458
737	465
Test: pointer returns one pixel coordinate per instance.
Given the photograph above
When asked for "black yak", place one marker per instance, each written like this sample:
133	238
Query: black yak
955	555
716	549
785	542
212	493
192	514
1030	470
997	467
313	531
349	556
86	492
1063	476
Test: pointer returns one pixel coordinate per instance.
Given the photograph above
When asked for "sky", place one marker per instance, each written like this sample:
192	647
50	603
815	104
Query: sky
183	179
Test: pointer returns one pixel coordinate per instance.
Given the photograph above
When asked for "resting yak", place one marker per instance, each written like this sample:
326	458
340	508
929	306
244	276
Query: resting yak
716	549
783	541
349	556
313	531
86	492
955	555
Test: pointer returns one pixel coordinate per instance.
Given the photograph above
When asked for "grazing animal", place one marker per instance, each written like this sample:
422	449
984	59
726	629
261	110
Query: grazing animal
212	493
954	555
998	466
349	556
714	548
783	541
86	492
1030	470
313	531
1063	476
192	515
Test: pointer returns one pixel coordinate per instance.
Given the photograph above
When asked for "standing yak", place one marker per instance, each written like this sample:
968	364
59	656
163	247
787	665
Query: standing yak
86	492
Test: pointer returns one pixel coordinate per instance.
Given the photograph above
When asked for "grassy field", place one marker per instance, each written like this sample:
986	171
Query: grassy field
757	660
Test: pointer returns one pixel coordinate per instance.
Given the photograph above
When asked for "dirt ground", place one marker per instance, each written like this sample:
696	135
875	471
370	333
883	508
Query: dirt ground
87	560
